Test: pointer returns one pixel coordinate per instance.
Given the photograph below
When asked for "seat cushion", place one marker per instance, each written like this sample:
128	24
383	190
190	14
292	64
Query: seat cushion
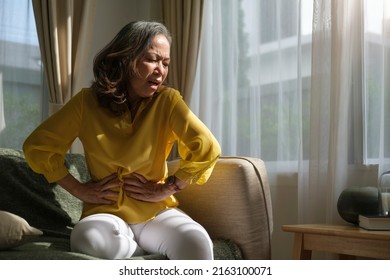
58	248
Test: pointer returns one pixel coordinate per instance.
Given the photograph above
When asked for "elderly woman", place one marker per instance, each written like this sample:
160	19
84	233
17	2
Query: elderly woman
128	122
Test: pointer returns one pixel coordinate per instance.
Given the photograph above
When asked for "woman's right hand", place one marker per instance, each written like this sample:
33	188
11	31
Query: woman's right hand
104	191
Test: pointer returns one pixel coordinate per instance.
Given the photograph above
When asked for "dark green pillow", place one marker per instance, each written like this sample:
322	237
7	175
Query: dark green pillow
25	193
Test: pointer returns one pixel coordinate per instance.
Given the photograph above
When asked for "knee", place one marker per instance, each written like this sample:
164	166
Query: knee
193	244
103	236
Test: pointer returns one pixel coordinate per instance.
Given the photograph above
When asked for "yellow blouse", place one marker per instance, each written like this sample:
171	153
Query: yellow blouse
121	145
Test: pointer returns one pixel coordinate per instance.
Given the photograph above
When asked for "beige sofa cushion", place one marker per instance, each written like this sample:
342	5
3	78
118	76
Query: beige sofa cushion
15	230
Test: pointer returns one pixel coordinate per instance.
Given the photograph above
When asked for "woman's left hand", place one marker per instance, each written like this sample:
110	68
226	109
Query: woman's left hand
141	189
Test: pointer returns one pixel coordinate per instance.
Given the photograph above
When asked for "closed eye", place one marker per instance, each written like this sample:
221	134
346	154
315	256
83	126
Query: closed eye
155	58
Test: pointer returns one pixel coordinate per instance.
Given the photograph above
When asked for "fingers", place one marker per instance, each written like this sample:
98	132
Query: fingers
109	182
108	179
110	186
137	182
141	189
140	178
109	192
104	201
137	187
112	195
141	197
106	191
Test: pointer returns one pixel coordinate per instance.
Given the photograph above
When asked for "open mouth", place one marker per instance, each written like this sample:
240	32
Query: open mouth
154	83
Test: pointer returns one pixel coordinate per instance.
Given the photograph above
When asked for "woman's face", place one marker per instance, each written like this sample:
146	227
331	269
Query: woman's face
152	69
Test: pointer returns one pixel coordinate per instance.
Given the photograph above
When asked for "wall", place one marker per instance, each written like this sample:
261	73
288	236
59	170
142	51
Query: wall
108	18
284	195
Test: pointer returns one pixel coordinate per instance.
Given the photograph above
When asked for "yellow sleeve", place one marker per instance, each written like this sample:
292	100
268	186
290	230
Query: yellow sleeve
197	146
46	146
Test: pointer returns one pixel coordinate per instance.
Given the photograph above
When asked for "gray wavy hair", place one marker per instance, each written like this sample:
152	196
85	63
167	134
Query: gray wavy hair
117	61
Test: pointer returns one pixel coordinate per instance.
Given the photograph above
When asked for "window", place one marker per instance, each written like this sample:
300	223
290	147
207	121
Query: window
279	76
254	68
255	75
21	79
377	86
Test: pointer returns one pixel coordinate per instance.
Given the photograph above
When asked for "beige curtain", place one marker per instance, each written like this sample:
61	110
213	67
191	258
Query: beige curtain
64	37
183	18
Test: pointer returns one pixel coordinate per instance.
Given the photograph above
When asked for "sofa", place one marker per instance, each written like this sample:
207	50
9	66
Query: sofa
36	217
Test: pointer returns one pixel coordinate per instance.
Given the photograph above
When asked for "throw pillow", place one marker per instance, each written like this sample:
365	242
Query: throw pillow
15	230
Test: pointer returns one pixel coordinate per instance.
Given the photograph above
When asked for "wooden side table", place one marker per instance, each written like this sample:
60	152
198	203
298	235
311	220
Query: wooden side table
343	240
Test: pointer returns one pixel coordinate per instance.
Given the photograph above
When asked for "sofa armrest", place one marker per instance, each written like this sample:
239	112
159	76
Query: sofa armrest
234	204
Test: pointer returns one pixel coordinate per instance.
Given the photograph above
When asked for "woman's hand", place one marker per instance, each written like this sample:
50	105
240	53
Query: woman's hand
141	189
101	192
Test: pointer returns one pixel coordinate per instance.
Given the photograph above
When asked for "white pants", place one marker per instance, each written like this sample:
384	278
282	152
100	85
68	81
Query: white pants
171	233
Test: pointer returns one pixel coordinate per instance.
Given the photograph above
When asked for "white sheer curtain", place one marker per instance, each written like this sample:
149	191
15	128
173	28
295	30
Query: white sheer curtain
377	83
253	77
21	85
349	104
2	118
292	82
336	119
253	80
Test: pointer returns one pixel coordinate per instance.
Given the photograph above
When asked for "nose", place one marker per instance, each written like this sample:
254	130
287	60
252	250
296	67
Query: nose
160	69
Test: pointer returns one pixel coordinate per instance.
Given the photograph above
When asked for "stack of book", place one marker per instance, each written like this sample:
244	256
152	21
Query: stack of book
374	222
